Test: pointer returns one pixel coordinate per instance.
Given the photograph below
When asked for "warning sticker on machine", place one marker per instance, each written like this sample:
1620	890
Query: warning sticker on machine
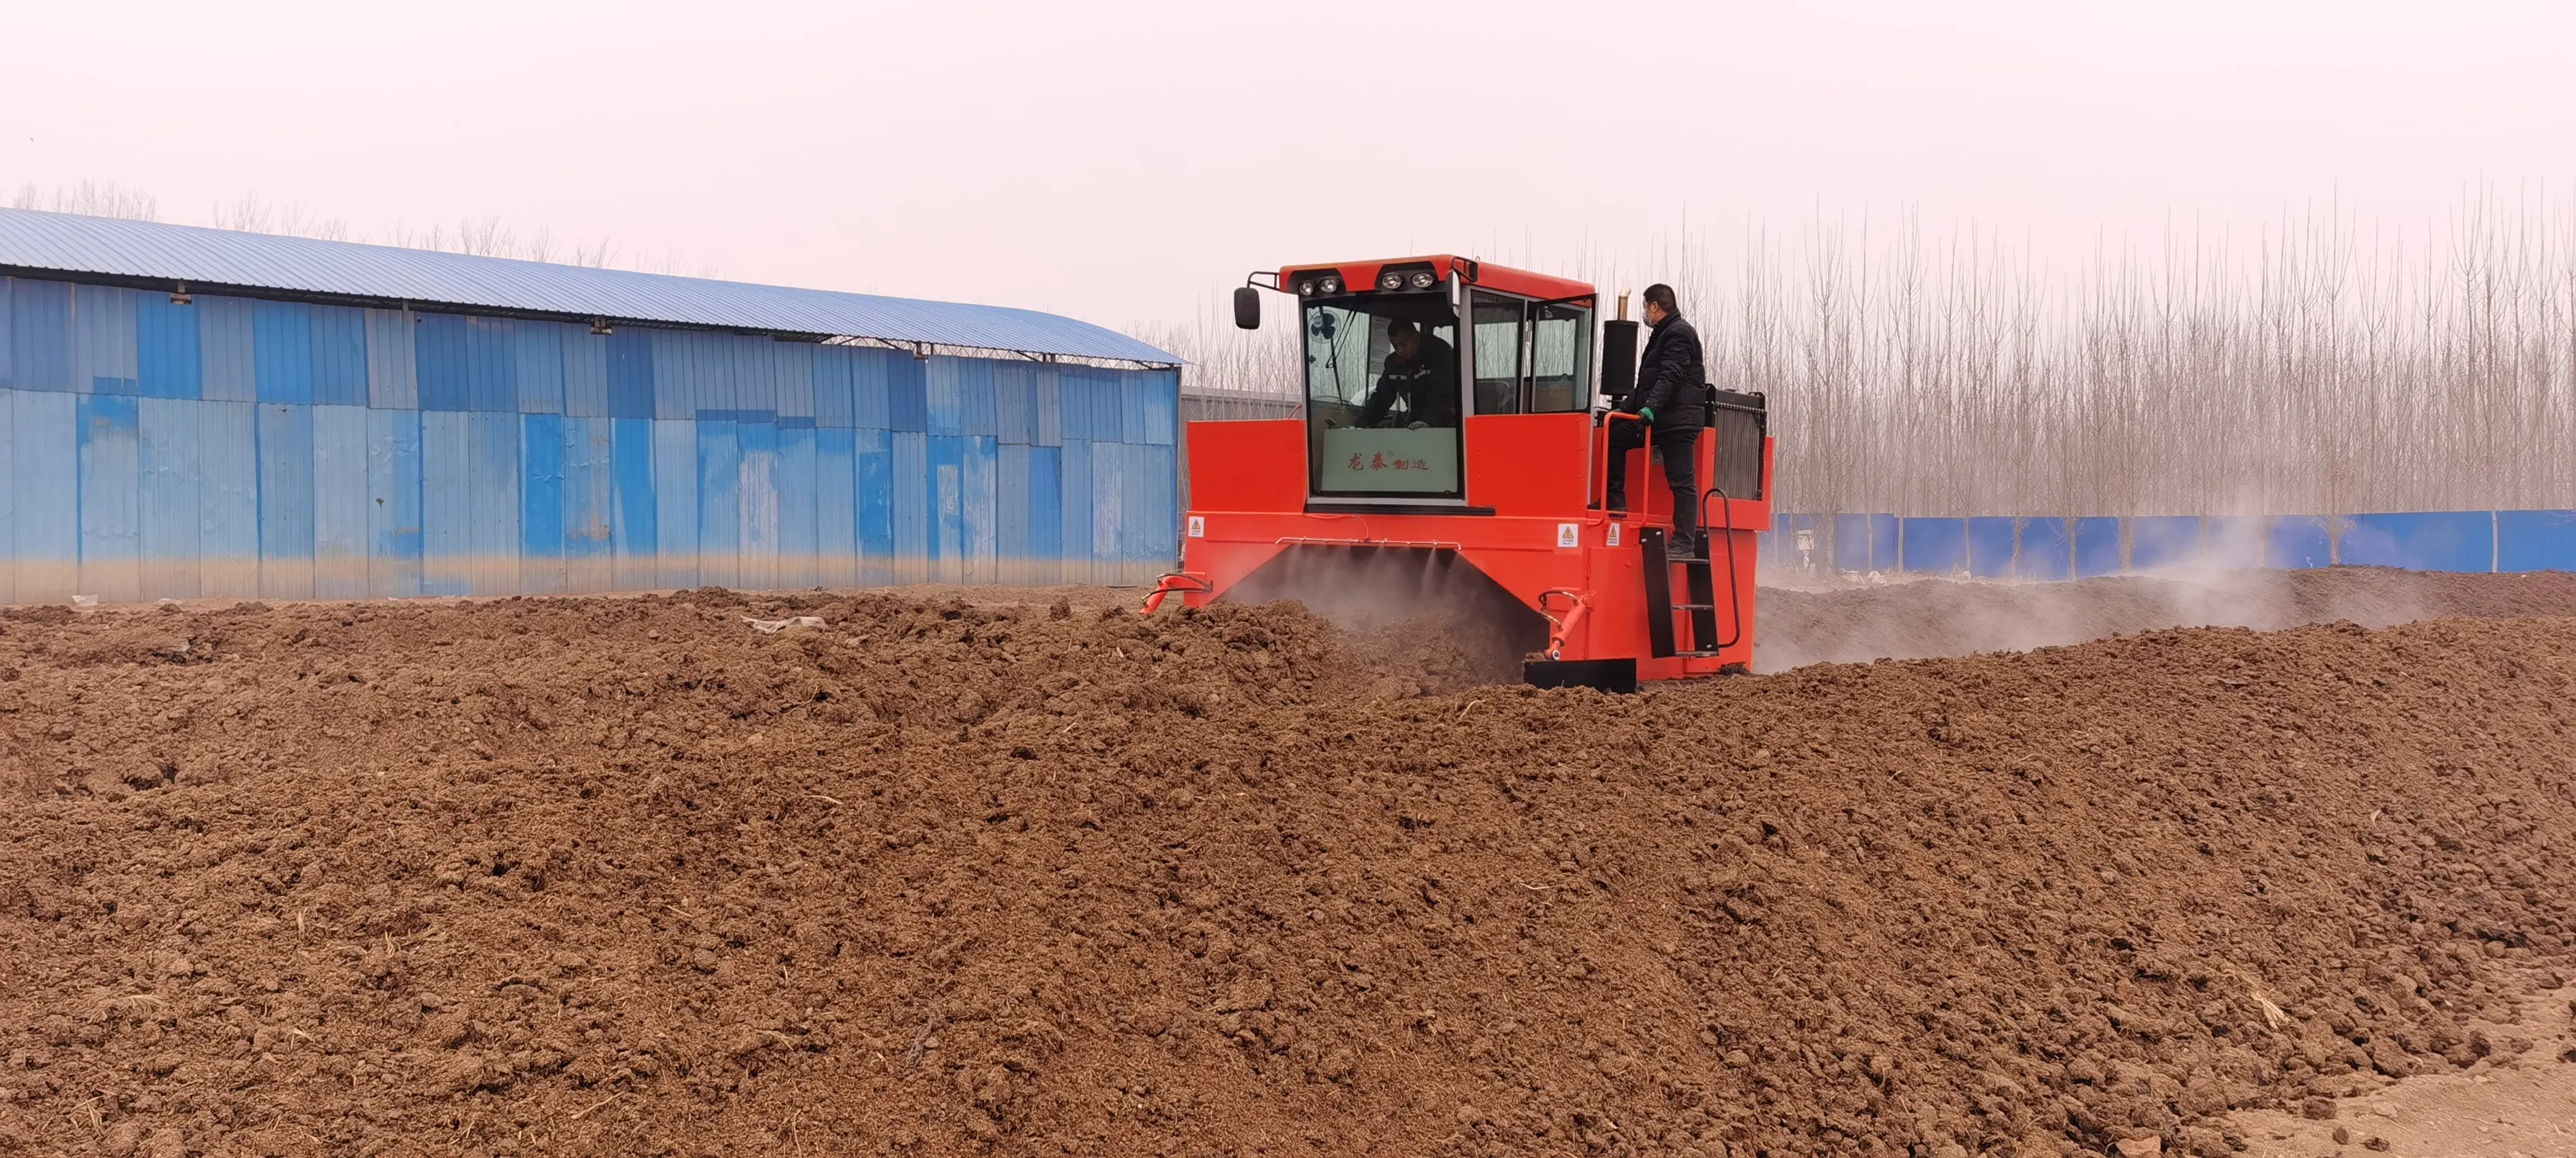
1569	535
1614	534
1198	526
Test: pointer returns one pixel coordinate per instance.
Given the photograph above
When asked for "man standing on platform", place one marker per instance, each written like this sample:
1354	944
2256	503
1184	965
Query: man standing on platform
1672	398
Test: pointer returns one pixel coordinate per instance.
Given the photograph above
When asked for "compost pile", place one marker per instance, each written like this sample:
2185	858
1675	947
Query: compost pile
931	878
1921	618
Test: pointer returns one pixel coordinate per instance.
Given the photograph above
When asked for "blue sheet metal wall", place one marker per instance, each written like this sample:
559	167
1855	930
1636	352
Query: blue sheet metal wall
236	448
2503	542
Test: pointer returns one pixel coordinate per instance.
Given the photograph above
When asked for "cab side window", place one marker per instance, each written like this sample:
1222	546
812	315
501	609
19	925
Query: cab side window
1560	357
1500	344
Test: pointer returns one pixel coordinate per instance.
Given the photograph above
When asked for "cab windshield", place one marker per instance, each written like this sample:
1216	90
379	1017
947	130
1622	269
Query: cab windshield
1383	396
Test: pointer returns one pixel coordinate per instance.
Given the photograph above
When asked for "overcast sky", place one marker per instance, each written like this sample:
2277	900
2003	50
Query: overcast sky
1127	163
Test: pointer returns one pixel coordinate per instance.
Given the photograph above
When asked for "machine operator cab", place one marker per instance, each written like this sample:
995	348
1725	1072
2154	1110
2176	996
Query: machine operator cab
1391	371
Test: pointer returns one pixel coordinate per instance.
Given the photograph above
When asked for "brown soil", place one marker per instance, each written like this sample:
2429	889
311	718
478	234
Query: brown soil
1933	617
627	876
2517	1102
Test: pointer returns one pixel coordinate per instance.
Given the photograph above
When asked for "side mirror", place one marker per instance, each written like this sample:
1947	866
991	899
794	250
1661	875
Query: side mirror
1247	308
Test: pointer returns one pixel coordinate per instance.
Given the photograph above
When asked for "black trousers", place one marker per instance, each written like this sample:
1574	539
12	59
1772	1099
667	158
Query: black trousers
1676	447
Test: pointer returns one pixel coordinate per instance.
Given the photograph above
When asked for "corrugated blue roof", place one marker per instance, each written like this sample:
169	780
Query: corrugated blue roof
213	260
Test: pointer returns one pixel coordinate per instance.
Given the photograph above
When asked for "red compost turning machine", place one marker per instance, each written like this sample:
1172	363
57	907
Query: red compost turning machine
1450	441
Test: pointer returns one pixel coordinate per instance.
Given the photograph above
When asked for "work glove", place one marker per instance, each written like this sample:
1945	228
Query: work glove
1646	412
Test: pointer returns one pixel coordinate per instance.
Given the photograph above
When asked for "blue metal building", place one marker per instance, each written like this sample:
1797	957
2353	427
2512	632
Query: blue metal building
193	412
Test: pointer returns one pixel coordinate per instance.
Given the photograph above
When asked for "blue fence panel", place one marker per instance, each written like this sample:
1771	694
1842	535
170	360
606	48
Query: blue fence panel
1046	512
103	340
8	360
2421	541
907	392
440	347
678	370
978	485
635	535
836	504
589	503
1050	407
228	501
40	342
2297	542
2047	553
975	405
492	365
836	402
1160	482
793	365
45	491
1886	542
1077	491
585	374
537	365
1937	546
765	504
1136	408
1015	404
871	388
1011	506
874	449
340	523
172	476
339	355
675	491
719	502
226	348
630	373
393	380
799	504
285	499
167	356
2097	547
1990	548
2157	541
492	454
1108	506
1162	400
393	503
282	352
542	481
945	510
446	513
2535	541
111	498
913	496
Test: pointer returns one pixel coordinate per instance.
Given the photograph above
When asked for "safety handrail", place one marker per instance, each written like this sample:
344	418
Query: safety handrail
1601	478
1734	586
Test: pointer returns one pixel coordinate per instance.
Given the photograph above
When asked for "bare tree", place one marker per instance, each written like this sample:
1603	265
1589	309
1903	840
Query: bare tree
92	199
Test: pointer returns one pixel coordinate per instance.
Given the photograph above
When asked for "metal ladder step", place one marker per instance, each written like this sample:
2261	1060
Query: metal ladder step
1659	598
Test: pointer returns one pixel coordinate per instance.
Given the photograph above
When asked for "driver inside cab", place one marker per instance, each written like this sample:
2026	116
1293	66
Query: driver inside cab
1422	372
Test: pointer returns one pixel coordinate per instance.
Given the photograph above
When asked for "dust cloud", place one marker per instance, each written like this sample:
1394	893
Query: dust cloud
1429	620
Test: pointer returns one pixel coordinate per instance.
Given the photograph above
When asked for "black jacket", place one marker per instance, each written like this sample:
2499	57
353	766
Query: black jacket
1427	385
1670	377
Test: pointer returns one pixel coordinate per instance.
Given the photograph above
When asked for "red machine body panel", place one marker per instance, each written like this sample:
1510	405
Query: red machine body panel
1543	535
